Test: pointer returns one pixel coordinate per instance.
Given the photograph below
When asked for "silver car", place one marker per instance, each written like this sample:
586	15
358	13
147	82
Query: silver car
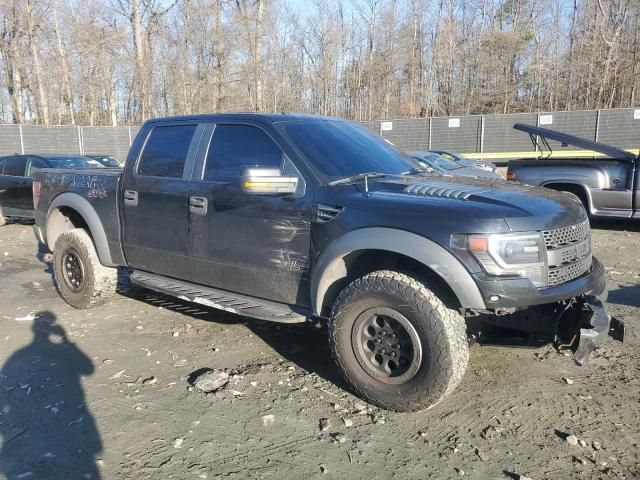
466	162
446	166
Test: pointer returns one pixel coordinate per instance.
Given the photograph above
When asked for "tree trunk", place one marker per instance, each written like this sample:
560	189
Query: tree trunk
217	36
136	27
67	97
9	49
257	55
41	96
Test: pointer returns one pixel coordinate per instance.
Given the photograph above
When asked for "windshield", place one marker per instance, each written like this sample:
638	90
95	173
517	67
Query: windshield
106	160
451	156
441	162
74	162
340	149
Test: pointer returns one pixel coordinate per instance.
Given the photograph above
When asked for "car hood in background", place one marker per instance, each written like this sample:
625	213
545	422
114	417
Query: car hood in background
474	172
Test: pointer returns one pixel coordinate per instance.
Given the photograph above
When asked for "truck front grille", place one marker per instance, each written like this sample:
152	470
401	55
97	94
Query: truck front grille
568	252
569	272
566	235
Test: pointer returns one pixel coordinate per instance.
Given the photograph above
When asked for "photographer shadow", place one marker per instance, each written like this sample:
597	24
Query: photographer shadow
46	428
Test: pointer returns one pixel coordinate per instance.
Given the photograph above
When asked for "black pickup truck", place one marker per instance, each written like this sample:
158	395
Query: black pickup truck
288	218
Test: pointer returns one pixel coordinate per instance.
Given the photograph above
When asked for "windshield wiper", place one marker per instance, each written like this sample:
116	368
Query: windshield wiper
355	178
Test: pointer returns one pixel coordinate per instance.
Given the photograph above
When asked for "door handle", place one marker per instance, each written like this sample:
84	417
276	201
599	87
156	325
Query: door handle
198	205
131	198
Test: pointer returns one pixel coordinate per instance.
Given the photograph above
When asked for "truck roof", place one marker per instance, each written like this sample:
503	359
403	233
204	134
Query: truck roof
608	150
268	117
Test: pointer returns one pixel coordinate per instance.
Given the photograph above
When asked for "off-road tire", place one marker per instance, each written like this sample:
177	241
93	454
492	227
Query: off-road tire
99	282
441	331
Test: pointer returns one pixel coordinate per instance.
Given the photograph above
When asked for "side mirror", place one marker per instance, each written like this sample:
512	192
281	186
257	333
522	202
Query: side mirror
427	168
267	181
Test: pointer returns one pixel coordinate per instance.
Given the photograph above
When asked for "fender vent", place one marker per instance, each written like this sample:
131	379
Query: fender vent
326	213
444	190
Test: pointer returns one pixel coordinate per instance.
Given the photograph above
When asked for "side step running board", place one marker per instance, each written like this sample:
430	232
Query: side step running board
221	299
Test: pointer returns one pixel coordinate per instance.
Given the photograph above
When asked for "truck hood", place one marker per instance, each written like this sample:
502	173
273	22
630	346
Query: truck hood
523	207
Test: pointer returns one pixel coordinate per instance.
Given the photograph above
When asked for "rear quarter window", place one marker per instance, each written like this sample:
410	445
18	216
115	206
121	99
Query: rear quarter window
166	150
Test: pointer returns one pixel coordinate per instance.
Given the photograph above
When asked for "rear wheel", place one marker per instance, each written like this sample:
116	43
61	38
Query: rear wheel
81	279
396	342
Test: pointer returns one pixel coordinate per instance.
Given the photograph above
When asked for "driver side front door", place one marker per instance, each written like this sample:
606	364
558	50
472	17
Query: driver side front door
252	244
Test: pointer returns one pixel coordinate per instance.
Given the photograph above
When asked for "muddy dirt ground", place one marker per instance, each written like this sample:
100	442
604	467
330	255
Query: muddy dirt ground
104	393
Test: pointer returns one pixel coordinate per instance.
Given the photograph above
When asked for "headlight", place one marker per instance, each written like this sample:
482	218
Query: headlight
512	254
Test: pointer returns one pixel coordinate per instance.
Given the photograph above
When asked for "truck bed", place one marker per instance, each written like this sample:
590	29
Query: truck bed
95	190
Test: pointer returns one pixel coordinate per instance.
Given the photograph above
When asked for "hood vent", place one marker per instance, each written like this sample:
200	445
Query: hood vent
326	213
445	190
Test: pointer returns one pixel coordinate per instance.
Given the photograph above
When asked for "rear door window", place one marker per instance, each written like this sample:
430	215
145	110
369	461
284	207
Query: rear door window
236	146
166	150
15	166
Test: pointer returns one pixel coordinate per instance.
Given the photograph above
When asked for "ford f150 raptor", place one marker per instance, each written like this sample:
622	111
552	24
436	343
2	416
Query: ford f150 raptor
288	217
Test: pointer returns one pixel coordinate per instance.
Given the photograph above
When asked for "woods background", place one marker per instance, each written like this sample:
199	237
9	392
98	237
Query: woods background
115	62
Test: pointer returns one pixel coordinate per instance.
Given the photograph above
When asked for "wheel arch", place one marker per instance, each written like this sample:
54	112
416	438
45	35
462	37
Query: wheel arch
333	266
68	211
581	190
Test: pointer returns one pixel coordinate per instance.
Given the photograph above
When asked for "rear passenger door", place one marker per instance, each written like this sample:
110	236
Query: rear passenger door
154	203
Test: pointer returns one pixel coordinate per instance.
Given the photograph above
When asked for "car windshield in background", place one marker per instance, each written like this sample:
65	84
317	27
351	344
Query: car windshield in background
451	156
74	162
339	149
441	162
106	160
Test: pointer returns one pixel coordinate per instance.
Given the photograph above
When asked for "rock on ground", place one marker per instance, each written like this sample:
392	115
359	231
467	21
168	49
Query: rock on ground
211	381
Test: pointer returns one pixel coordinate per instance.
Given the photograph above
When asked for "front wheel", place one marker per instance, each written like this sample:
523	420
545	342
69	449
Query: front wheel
397	344
81	279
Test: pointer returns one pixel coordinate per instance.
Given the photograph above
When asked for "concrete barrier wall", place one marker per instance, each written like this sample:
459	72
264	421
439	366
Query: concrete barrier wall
500	137
493	137
107	140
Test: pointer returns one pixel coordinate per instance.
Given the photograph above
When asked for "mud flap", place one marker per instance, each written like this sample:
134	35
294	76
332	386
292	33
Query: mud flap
602	324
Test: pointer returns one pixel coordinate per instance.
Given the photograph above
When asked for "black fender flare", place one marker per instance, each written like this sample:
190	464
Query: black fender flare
88	213
331	267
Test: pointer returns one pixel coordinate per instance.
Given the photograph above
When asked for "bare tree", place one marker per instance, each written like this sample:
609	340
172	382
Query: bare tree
42	101
93	62
11	55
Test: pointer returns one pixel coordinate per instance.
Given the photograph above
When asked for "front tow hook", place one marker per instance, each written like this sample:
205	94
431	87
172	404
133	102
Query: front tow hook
602	324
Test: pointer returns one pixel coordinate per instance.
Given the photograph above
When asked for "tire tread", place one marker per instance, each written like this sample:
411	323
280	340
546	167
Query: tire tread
104	279
453	334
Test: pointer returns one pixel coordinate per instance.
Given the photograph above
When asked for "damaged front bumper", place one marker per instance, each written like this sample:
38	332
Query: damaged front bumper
574	316
599	324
